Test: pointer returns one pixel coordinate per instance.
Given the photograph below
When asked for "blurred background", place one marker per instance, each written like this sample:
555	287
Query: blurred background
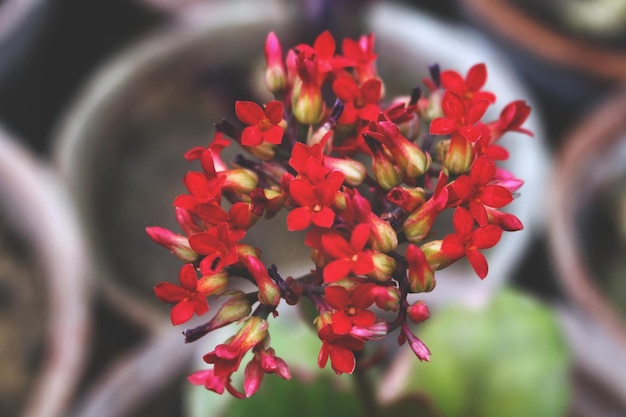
99	99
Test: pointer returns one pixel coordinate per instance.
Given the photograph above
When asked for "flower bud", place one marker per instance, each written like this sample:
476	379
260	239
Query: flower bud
384	266
420	274
213	284
234	309
506	221
306	102
253	331
375	331
457	155
244	250
186	221
418	312
275	74
386	298
240	180
383	237
385	172
177	244
269	293
435	256
323	320
417	346
418	223
430	108
264	151
407	198
354	171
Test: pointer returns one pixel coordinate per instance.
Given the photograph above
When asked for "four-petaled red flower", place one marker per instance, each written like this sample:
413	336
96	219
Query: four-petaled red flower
191	295
459	117
349	257
361	102
350	307
263	125
468	240
469	88
315	204
476	191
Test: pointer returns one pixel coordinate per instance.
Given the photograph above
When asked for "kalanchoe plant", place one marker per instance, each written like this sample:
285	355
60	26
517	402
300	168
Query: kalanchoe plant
365	178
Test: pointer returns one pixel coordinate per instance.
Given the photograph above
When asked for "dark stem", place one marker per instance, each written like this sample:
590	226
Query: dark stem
365	392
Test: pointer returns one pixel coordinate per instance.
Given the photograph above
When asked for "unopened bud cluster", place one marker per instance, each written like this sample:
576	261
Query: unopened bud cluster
366	177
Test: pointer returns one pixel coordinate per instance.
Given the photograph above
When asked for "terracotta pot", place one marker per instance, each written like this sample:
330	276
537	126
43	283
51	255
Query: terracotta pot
122	142
588	242
44	283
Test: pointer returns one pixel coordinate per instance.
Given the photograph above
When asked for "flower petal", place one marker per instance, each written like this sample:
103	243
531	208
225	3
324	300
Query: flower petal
249	112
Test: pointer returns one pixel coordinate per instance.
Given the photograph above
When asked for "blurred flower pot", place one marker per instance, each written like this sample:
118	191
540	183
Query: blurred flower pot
568	68
44	297
588	238
122	142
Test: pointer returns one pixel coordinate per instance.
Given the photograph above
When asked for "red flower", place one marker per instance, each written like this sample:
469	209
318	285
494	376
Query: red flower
467	241
190	296
459	117
476	191
263	125
227	356
263	362
469	88
219	244
349	257
511	119
210	156
202	191
360	102
300	154
361	53
350	307
314	201
339	348
212	382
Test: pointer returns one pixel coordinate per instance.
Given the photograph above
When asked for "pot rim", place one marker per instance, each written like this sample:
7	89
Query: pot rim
601	129
508	21
40	204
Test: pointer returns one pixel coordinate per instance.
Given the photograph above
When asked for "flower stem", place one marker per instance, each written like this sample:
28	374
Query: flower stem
365	392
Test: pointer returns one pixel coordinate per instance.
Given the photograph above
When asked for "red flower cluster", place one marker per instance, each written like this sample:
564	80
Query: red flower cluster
365	178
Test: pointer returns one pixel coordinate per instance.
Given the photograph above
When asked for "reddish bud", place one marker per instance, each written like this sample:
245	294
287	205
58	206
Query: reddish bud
307	104
457	155
386	298
383	237
275	74
354	171
240	180
408	199
418	312
269	293
418	224
421	276
177	244
436	258
384	266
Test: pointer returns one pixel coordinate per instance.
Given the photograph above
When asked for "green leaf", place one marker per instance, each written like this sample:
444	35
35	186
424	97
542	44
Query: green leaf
280	398
508	359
